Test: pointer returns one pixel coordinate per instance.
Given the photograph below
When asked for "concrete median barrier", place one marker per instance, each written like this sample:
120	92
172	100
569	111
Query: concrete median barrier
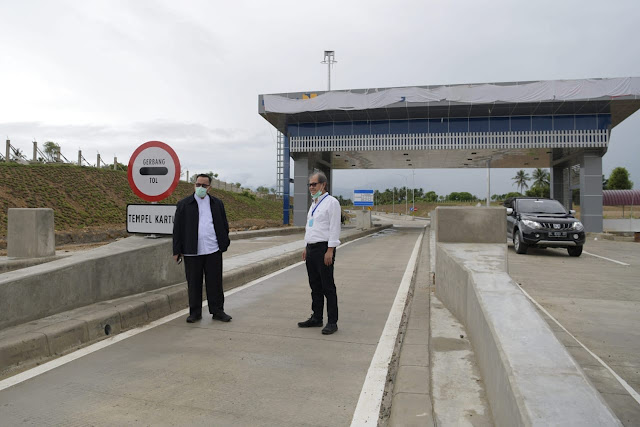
529	376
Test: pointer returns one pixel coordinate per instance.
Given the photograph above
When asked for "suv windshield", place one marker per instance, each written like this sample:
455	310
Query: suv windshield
541	206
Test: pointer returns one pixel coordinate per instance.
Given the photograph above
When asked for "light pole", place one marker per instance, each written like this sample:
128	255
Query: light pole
329	59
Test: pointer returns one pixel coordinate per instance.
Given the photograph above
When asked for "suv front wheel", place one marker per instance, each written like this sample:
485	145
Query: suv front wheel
518	245
574	250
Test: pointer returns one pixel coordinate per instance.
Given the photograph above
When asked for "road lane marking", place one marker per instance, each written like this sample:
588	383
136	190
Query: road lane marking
622	382
368	408
608	259
63	360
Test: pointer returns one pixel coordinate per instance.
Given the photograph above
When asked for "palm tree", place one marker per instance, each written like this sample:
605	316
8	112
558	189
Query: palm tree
521	180
541	178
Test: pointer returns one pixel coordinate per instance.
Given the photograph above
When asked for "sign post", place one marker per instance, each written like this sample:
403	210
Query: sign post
153	172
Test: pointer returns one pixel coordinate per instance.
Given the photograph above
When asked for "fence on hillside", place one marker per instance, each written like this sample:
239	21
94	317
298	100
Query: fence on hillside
14	154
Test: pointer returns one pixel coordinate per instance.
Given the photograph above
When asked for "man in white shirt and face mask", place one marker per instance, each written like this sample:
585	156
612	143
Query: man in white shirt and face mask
322	233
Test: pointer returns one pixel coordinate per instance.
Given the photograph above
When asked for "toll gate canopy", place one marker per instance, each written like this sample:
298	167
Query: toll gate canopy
563	125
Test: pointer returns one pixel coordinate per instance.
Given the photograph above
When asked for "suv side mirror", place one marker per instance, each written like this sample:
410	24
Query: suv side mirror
509	211
572	211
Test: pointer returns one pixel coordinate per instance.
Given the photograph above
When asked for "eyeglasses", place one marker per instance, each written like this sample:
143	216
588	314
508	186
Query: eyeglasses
313	184
202	185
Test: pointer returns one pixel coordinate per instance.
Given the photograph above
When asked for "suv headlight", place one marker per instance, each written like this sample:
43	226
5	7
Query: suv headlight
577	226
531	224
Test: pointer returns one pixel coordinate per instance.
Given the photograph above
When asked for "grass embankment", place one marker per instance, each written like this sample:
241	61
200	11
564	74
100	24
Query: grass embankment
85	197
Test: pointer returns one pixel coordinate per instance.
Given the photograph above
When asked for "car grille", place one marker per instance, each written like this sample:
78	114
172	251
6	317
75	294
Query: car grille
550	225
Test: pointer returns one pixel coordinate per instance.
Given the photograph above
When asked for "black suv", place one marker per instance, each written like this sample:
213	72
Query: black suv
543	223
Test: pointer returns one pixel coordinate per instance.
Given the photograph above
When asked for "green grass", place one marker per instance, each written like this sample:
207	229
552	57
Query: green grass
83	197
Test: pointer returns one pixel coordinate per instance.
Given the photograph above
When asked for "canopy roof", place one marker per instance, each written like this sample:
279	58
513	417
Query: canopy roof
619	97
620	197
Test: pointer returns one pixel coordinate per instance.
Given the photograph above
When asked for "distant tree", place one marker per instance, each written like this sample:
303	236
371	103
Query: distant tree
541	178
50	150
619	180
238	185
431	196
262	190
344	202
461	197
521	180
272	190
605	182
538	192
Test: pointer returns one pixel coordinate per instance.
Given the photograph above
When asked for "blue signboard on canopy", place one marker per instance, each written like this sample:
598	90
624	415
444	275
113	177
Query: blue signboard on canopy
362	197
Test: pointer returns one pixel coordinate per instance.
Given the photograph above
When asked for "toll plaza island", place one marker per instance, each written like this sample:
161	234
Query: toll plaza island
441	322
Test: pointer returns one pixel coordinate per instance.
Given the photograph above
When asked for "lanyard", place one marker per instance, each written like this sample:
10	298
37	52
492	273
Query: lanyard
314	209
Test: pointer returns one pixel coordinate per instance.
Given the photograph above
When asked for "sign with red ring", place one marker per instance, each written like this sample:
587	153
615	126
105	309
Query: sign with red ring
154	171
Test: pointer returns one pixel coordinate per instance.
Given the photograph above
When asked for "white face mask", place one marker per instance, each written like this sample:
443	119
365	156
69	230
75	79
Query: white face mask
201	192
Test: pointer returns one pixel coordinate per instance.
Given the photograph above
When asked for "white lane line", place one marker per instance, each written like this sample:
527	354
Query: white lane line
46	367
368	408
622	382
608	259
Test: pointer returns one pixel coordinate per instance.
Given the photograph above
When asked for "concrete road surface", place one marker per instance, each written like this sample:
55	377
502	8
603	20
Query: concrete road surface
259	369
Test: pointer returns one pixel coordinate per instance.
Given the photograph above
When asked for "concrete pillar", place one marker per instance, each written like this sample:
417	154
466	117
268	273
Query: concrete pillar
560	185
30	233
115	163
98	161
35	151
286	182
79	157
301	197
591	191
7	156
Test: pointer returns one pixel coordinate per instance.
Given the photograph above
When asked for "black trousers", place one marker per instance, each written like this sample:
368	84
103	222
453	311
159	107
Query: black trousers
321	282
211	267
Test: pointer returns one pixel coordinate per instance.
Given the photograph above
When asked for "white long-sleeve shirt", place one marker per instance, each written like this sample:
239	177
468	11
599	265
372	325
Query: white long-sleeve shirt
323	221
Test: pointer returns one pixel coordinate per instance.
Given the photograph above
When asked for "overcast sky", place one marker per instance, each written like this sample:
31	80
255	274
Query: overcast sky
107	76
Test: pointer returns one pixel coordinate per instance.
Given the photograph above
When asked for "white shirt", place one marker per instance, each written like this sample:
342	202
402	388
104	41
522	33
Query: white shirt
207	240
323	221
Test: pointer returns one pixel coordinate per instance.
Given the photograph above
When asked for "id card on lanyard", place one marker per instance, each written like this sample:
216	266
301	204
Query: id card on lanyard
314	211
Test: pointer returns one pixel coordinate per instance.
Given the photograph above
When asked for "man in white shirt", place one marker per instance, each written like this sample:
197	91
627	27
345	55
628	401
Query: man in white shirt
200	236
322	235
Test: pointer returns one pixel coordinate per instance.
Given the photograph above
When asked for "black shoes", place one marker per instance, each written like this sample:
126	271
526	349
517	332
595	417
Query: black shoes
222	316
311	322
193	319
330	328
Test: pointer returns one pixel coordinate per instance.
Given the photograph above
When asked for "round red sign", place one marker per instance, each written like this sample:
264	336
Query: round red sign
154	171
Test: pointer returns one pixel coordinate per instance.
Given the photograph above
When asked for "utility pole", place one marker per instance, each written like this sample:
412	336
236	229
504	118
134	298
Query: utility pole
413	184
488	182
329	59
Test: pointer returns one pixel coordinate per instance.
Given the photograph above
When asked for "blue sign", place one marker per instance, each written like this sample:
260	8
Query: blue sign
362	197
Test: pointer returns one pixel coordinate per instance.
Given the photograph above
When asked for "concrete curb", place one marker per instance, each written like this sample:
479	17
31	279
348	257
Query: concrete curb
25	346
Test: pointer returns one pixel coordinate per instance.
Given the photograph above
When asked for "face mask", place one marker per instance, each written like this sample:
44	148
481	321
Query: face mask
316	195
201	192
